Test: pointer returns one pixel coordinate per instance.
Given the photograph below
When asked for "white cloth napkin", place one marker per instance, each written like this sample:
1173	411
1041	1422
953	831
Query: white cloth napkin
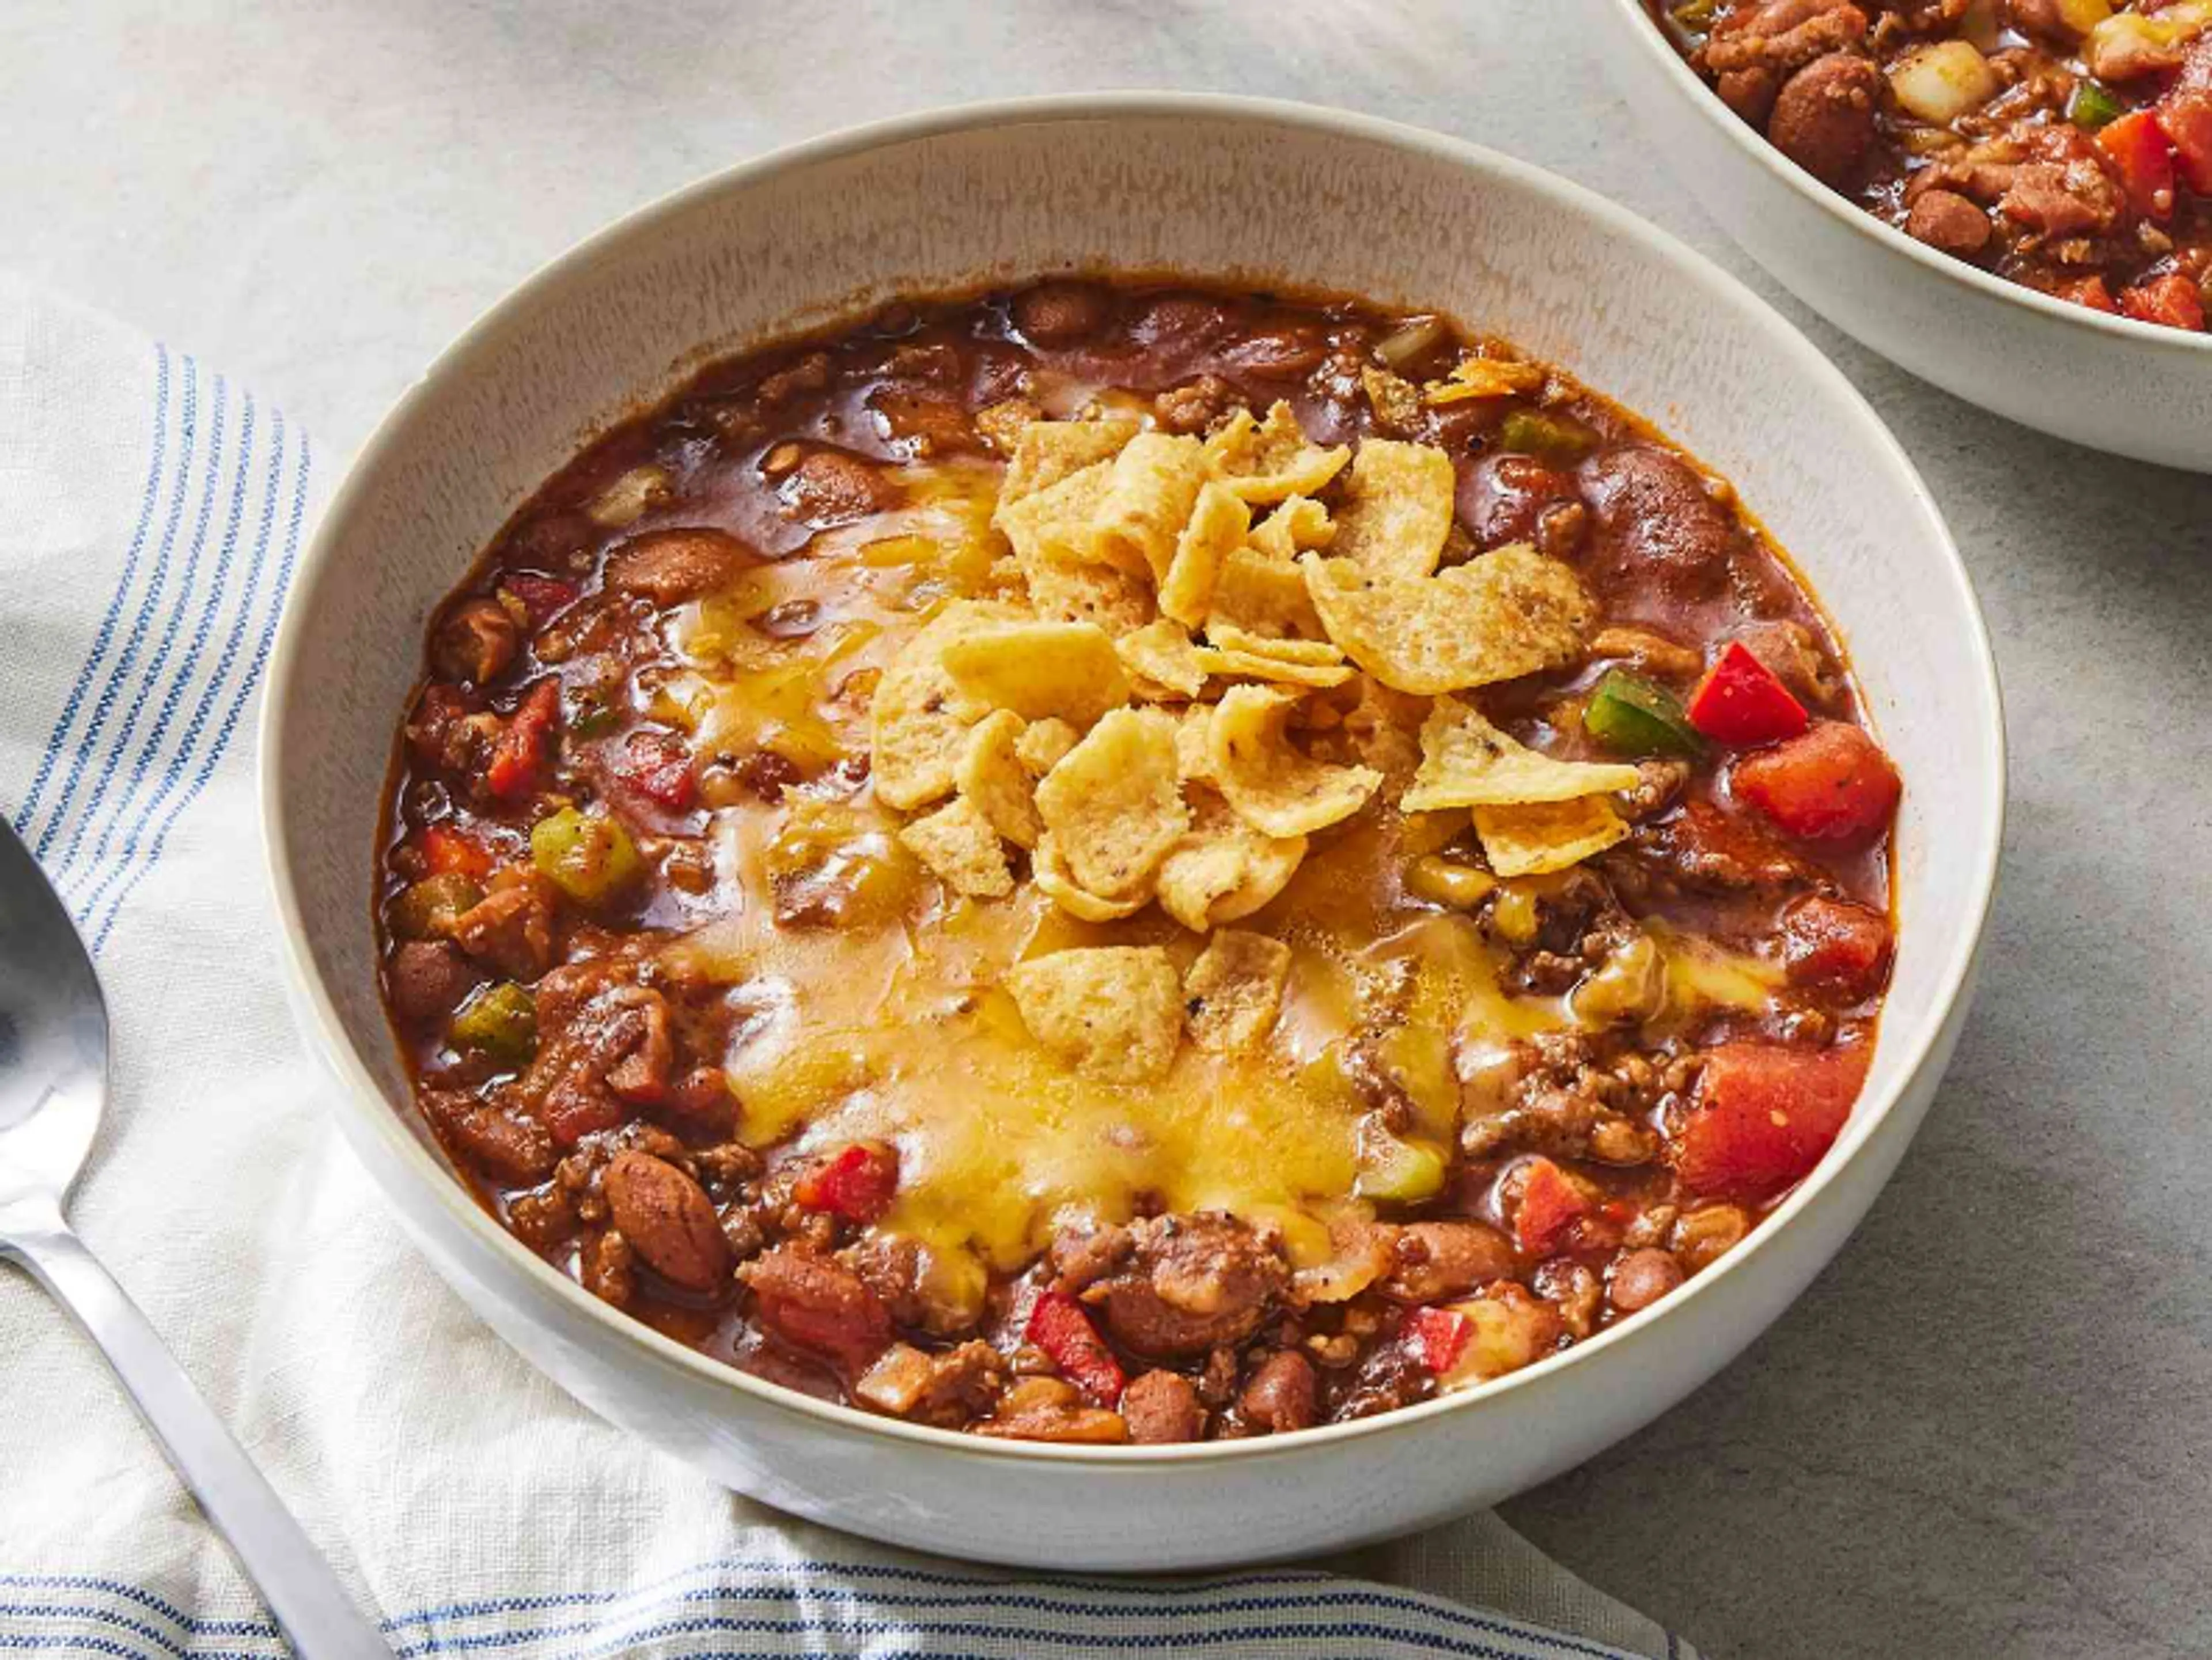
150	515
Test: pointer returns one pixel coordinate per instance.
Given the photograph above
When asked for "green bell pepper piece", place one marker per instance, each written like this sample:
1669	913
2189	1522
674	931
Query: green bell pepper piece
501	1020
1547	437
2090	107
589	856
1630	716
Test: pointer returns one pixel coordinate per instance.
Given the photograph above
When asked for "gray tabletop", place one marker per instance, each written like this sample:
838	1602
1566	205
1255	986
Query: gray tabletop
1985	1430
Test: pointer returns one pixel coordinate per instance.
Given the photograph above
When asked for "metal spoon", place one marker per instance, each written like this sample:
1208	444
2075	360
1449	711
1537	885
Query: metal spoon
53	1083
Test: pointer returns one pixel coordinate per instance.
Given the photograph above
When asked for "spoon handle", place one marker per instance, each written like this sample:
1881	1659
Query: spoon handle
298	1586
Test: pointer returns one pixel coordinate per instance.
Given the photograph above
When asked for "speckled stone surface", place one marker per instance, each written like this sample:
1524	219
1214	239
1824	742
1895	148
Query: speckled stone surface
1985	1431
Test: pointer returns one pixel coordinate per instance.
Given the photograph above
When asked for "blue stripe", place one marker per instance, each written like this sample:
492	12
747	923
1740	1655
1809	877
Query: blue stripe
59	736
127	660
118	806
971	1591
244	690
173	772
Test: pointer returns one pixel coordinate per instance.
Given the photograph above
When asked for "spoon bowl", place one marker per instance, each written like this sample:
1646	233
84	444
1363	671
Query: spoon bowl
53	1084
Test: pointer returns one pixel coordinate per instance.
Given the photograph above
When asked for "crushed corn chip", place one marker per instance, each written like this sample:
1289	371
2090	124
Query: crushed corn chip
1466	762
1262	595
1299	526
1298	662
1052	523
1216	528
1223	868
958	844
1541	836
1098	594
1486	377
1233	993
1046	451
1068	670
1496	618
1194	743
1396	508
1151	489
1043	742
1273	786
1115	1012
1050	872
1268	460
990	773
1162	659
919	717
1114	804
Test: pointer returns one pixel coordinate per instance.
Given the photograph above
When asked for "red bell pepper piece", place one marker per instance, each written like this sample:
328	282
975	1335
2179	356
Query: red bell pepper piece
447	852
2137	146
1762	1115
2184	116
1740	702
2172	299
2089	291
1059	1326
1550	1206
1830	782
658	768
1437	1337
856	1183
524	744
544	596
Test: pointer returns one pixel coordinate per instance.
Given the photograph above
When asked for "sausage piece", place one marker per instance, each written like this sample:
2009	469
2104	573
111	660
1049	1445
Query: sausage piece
671	565
1948	221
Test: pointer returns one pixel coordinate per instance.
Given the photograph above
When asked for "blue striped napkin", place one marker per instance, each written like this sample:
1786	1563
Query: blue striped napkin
151	512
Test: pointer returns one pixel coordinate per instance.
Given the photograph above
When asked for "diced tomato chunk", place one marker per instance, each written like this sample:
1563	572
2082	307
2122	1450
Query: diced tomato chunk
2136	145
519	755
1762	1115
1059	1326
1742	702
857	1183
1437	1337
658	766
2185	118
2089	291
544	596
2172	300
1831	783
1836	946
1550	1205
447	852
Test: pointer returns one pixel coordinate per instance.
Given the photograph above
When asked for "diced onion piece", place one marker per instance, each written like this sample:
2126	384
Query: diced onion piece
2128	46
626	501
2082	15
1406	344
1941	82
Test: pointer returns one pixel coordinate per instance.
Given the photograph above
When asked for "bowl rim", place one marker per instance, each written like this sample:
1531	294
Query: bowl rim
1692	89
363	1099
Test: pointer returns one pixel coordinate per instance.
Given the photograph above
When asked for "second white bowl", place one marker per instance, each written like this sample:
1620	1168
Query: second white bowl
2109	382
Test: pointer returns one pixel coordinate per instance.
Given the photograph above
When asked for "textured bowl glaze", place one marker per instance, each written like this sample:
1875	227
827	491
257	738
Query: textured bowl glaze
1269	193
2109	382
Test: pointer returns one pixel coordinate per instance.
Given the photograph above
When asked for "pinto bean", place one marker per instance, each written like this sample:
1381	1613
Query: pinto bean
1824	117
1948	221
1191	1283
429	978
1162	1407
1281	1394
1641	1278
671	565
832	488
1654	516
1061	313
668	1220
1437	1260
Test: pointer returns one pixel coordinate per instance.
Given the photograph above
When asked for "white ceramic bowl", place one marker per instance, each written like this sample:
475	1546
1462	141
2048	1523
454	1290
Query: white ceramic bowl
1266	193
2109	382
